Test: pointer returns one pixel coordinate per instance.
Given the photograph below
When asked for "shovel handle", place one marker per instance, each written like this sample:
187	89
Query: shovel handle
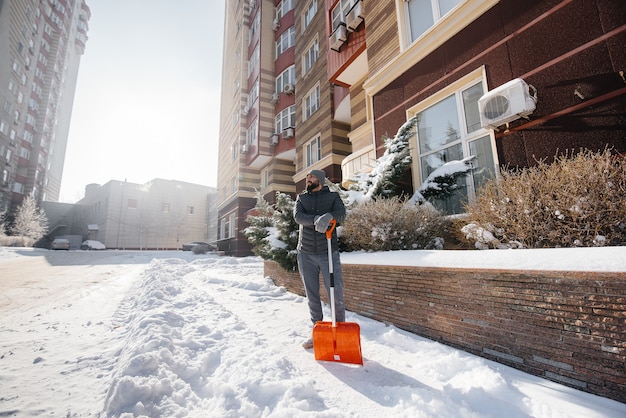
329	231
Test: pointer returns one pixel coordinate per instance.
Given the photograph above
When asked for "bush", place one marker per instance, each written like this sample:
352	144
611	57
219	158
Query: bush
391	224
577	201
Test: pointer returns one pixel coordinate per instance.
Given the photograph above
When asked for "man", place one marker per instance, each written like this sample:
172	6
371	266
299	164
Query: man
314	209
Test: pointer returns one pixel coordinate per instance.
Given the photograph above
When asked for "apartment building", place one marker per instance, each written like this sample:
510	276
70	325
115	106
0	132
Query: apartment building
321	84
41	43
507	82
160	214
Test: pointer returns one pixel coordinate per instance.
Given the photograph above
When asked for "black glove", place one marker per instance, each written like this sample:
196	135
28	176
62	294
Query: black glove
322	222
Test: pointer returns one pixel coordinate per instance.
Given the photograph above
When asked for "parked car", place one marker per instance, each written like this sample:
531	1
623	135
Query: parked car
60	244
91	244
190	246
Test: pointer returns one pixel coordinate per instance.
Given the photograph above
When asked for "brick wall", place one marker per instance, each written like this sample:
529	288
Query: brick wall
569	327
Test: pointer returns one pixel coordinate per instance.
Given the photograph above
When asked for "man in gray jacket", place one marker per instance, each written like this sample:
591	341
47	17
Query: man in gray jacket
314	209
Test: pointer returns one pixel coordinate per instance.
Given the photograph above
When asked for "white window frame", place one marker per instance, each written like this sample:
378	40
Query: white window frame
309	14
313	151
339	12
286	118
436	13
286	77
284	7
466	139
310	56
311	102
286	40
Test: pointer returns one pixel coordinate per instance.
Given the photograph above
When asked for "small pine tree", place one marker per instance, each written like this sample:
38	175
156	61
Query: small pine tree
258	231
30	221
287	232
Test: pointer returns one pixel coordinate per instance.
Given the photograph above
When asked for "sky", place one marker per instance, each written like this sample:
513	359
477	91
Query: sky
147	102
173	334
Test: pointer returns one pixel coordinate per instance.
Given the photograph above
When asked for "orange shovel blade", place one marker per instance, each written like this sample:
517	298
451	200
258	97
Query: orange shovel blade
340	344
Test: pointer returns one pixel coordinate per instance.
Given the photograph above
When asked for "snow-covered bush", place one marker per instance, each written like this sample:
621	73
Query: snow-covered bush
392	224
30	225
576	201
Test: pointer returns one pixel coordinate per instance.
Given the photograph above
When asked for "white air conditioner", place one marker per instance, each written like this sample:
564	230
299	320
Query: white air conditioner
288	133
355	17
274	139
275	24
510	101
289	89
274	98
245	148
338	37
245	111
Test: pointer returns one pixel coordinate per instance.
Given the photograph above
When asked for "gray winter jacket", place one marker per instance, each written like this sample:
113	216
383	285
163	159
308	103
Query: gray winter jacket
308	206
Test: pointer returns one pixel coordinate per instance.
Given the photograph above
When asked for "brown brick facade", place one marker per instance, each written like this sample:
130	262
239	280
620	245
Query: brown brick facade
569	327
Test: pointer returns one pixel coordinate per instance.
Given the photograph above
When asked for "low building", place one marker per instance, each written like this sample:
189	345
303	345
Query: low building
160	214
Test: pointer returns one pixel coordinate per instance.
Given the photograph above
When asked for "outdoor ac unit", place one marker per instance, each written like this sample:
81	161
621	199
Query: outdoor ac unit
276	24
288	133
245	148
355	16
274	139
510	101
338	38
289	89
245	111
274	98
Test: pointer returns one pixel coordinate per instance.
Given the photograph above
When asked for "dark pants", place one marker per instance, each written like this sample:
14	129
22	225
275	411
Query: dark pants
310	266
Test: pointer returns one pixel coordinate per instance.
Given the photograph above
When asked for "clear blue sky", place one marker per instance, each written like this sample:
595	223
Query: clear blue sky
148	95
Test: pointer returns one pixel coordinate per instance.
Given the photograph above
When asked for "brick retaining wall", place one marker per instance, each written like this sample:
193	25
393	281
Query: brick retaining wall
569	327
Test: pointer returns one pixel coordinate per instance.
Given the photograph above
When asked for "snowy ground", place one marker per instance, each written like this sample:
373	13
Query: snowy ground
172	334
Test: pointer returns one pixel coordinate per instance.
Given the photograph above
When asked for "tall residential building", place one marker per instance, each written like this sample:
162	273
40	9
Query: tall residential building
321	84
278	109
41	42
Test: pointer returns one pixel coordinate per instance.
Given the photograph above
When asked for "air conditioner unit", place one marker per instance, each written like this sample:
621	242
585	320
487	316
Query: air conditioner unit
289	89
245	111
276	24
510	101
274	98
338	37
274	139
288	133
245	148
355	17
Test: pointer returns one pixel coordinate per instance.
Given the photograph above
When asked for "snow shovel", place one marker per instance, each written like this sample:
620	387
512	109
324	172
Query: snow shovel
336	341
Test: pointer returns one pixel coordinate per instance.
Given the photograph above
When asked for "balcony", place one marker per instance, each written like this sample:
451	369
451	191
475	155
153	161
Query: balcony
347	54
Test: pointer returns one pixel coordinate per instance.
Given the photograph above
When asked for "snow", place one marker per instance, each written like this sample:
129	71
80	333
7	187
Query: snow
174	334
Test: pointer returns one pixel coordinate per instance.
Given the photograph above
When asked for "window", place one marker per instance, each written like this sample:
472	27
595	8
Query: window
448	130
286	77
310	56
313	151
287	40
311	102
265	178
252	136
309	13
285	119
165	207
132	204
234	150
253	94
233	185
254	28
254	59
339	12
227	226
422	14
283	7
190	210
